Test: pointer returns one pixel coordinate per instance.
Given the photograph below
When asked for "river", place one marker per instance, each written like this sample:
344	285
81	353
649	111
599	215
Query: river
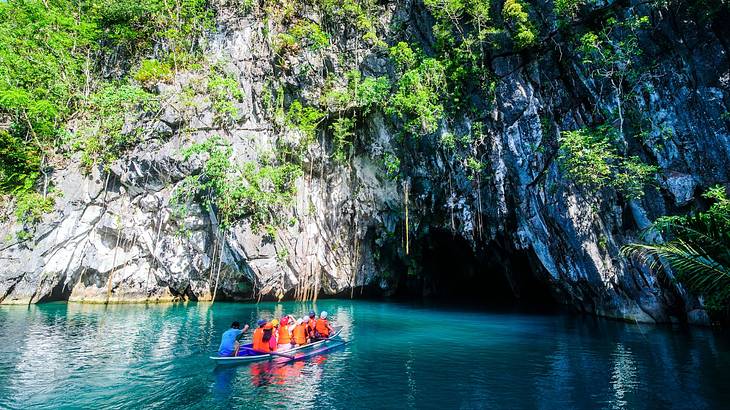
399	356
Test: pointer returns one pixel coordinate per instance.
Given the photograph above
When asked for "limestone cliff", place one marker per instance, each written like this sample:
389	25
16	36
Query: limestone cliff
113	235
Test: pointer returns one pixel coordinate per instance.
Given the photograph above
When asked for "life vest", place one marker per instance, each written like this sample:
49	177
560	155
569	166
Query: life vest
258	341
284	336
300	334
311	326
322	328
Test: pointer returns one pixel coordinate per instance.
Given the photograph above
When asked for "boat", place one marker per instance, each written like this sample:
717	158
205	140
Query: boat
247	356
301	355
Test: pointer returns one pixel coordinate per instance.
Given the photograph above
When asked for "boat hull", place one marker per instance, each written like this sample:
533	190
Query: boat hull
248	357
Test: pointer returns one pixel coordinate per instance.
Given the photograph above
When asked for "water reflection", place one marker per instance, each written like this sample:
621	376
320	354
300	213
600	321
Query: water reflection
623	378
77	355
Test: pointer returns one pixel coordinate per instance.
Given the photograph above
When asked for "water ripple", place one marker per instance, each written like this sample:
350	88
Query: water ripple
399	356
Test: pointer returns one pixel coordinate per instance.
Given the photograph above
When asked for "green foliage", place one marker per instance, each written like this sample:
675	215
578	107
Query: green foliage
352	11
567	8
697	248
153	71
448	141
589	159
515	15
254	192
303	34
586	157
365	94
43	54
612	55
100	138
403	56
139	25
633	175
31	207
19	164
474	167
392	165
416	100
305	119
29	210
465	34
224	93
342	135
47	71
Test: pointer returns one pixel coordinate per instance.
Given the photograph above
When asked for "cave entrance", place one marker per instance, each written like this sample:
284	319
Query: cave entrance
495	276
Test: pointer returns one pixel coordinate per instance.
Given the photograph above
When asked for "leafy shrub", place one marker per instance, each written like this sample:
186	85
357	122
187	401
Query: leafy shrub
46	61
305	119
153	71
224	92
567	8
392	165
253	192
342	134
403	56
31	207
516	16
303	34
101	139
416	100
19	164
590	160
365	94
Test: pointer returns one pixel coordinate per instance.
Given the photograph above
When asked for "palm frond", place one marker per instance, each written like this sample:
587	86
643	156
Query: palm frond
691	264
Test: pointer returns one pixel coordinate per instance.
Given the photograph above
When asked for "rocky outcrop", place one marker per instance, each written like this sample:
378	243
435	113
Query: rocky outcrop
114	236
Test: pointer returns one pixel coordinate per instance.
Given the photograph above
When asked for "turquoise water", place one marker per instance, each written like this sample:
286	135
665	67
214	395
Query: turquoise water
399	356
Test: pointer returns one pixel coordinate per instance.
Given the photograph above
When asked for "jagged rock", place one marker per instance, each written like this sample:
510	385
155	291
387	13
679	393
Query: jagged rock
115	236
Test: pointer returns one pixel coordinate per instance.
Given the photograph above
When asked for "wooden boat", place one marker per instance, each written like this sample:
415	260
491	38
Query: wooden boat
246	356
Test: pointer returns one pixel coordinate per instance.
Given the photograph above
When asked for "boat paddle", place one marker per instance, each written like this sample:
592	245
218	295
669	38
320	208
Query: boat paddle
288	356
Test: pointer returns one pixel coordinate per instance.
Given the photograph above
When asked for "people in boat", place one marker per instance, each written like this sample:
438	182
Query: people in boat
322	328
258	335
284	333
230	340
266	344
299	334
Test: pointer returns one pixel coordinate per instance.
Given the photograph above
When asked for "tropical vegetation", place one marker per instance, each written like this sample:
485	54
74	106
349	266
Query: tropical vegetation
693	249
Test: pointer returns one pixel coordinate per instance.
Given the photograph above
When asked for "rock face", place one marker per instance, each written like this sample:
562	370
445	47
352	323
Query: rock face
114	236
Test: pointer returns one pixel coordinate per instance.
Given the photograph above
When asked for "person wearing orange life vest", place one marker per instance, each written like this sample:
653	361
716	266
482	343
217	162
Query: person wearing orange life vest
322	328
299	334
271	334
284	333
258	336
311	323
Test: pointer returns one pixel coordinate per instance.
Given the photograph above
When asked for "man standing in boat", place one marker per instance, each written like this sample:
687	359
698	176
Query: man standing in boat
229	340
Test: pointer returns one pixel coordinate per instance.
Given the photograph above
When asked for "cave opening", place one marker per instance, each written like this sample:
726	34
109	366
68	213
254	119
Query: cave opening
497	275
